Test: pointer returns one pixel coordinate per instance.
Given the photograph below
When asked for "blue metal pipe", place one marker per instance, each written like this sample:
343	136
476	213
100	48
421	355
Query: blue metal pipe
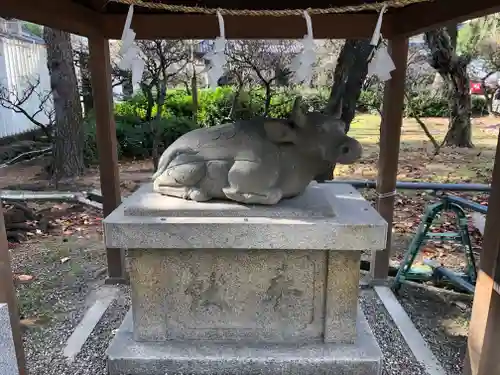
465	203
452	276
369	184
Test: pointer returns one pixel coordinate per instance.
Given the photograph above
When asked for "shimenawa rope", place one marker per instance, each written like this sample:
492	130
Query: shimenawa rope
378	6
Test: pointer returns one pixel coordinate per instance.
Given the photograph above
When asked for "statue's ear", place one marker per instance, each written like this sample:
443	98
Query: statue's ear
280	132
298	115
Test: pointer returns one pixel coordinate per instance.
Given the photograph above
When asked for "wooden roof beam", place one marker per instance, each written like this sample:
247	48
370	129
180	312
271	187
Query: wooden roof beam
62	15
195	26
418	18
99	5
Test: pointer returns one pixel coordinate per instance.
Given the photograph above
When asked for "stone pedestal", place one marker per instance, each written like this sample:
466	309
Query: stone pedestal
8	359
223	288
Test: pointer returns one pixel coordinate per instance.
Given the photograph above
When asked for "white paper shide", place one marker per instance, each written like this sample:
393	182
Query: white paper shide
217	57
381	64
130	53
302	64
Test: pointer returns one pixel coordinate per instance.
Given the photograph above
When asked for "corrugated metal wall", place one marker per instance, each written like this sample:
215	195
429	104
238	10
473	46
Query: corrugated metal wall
22	61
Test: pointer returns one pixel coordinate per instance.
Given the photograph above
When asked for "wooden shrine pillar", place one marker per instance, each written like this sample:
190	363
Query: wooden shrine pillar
390	134
484	329
100	71
8	295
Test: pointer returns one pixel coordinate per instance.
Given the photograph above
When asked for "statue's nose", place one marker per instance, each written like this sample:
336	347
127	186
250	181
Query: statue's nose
350	151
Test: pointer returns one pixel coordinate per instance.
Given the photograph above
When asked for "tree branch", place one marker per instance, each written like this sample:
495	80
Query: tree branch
15	101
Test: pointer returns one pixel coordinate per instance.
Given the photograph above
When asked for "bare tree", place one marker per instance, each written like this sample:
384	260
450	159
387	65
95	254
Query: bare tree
263	60
241	78
328	52
164	59
17	98
191	75
118	76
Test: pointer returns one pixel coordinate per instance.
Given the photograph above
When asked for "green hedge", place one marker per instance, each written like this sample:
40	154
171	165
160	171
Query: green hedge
135	135
425	104
214	106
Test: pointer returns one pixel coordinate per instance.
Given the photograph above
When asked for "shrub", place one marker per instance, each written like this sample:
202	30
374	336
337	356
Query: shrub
214	106
135	137
427	104
479	107
369	101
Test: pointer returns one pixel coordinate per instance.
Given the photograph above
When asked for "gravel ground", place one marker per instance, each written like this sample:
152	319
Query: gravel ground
398	358
44	349
56	281
45	358
92	357
442	318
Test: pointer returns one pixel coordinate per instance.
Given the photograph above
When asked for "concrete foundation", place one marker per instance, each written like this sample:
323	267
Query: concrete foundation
201	357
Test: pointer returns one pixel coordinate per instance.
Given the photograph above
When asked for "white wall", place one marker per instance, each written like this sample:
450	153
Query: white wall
20	61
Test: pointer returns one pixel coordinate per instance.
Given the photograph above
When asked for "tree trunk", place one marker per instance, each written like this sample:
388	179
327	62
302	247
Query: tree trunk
348	78
127	86
194	91
68	142
453	69
148	92
157	130
88	98
452	30
488	96
267	102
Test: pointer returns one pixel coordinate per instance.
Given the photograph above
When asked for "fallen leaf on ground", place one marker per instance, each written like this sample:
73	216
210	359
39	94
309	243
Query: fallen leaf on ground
23	278
33	322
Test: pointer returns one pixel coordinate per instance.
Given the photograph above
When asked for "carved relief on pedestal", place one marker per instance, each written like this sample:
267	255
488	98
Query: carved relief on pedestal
268	295
207	294
281	292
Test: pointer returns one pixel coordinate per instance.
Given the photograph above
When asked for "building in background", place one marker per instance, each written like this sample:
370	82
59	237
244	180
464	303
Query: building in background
23	60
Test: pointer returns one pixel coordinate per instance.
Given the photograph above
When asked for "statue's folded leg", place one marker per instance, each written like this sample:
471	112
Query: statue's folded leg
182	181
184	192
250	182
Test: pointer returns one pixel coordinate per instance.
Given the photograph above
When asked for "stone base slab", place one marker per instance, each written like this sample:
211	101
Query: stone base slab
196	357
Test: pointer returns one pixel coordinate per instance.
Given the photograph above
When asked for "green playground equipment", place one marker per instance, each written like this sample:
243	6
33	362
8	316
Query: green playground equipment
431	270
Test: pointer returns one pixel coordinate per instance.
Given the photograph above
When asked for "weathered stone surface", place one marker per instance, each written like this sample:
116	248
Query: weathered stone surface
127	356
256	295
8	360
341	295
325	217
257	161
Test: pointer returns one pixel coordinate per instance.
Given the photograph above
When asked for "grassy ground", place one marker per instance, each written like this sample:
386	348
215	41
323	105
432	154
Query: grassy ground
416	152
55	273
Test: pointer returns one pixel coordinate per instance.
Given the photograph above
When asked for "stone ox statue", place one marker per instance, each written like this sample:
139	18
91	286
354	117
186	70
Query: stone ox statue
259	161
